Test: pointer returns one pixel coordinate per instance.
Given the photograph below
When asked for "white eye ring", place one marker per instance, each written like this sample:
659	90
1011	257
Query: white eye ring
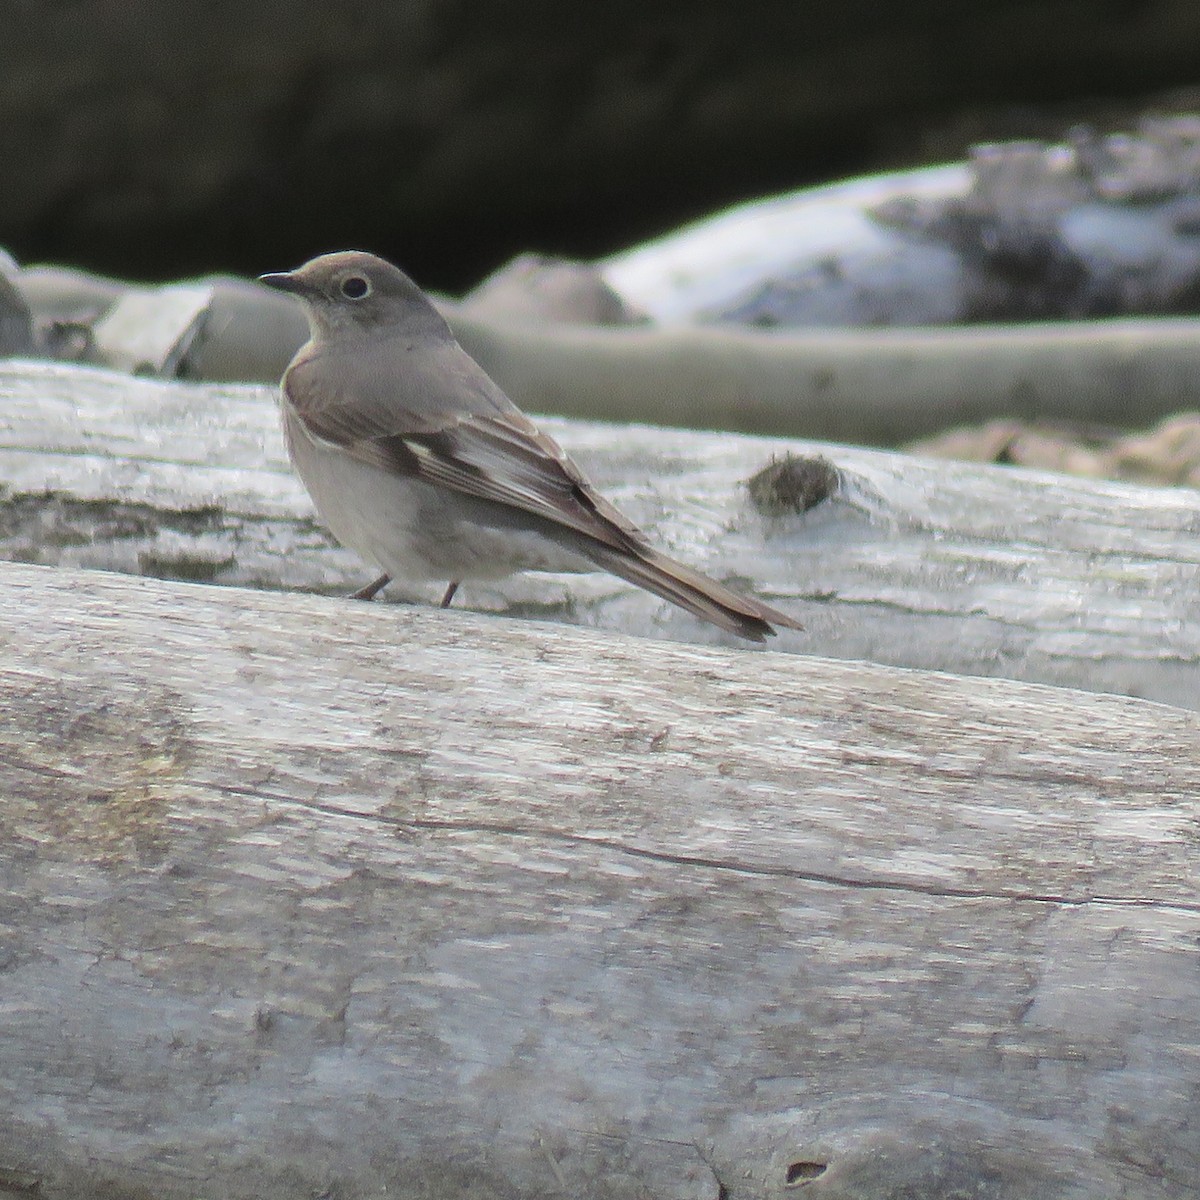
355	287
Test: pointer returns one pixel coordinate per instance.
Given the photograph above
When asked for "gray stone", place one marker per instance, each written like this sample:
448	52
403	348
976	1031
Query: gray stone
16	324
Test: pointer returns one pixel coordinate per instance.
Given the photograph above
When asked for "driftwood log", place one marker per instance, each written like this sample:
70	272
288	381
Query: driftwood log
948	566
1099	226
301	898
877	387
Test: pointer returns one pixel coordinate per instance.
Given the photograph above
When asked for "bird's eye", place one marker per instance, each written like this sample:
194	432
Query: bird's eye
355	287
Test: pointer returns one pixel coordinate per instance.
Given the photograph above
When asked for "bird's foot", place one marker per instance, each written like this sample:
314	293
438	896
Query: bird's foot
372	589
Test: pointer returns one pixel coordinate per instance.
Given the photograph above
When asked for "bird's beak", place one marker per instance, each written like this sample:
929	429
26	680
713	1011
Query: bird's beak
286	281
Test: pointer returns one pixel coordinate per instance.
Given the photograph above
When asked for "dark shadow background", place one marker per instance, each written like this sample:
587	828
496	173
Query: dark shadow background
153	140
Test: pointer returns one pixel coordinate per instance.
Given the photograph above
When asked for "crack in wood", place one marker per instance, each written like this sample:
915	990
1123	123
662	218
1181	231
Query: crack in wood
762	870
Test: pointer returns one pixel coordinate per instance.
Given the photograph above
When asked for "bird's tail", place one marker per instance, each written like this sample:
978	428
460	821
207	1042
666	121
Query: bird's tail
706	598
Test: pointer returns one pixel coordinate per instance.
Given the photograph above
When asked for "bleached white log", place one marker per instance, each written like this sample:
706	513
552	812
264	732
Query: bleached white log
707	264
876	387
304	898
949	566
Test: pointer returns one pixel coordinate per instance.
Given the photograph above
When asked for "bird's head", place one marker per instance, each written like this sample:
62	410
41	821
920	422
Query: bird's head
352	292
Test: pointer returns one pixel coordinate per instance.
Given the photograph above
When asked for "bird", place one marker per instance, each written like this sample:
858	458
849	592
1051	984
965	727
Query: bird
418	461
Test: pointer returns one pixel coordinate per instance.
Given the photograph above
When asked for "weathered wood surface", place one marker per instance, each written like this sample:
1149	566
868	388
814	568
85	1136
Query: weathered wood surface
1100	226
303	898
880	387
949	566
704	266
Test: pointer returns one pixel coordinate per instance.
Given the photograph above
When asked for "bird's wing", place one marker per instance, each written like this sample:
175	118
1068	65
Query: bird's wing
477	443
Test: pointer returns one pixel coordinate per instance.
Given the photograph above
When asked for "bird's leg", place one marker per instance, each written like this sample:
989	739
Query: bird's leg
450	594
372	589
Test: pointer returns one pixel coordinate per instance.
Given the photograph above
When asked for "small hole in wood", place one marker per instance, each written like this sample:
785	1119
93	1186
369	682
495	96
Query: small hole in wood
800	1173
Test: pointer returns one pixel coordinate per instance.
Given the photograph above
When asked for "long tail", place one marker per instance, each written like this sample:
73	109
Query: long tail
694	591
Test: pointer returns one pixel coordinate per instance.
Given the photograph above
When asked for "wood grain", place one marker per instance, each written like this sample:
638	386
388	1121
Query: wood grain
301	898
938	565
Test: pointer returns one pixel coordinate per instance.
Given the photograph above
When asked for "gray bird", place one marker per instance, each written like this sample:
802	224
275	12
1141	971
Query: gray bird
416	459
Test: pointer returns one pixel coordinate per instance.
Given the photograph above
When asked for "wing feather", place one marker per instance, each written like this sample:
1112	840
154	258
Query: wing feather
483	446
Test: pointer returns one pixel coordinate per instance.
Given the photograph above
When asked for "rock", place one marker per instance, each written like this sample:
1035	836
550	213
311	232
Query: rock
250	332
65	294
218	327
1169	453
16	323
537	287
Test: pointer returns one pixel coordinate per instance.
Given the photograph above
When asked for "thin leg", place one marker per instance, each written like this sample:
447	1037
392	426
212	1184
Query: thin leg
372	589
450	594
